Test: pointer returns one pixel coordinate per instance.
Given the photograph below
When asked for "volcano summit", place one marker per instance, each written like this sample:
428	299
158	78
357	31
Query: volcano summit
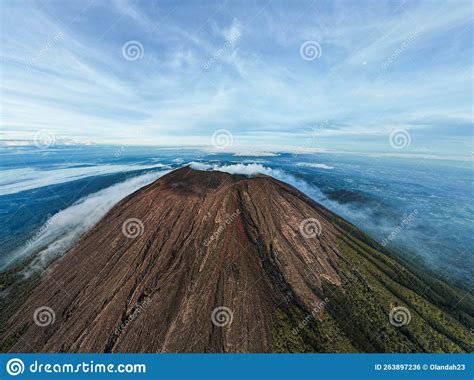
205	261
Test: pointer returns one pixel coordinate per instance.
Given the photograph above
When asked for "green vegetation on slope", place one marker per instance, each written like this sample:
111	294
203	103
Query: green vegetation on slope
356	316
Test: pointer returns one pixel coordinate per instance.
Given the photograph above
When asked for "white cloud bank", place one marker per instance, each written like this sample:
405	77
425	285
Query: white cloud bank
244	169
65	228
314	165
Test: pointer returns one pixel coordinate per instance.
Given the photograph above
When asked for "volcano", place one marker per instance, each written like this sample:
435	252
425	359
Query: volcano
206	261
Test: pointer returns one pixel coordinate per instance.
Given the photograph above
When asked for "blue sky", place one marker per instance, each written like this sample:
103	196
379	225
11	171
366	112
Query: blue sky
241	66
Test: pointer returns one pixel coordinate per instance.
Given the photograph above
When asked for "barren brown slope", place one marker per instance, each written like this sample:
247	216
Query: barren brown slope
256	247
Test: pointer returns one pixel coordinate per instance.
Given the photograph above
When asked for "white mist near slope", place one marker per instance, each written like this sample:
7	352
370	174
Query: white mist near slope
64	229
244	169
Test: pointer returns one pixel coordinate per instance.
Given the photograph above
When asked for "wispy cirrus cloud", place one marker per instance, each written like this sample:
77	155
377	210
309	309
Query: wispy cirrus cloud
383	65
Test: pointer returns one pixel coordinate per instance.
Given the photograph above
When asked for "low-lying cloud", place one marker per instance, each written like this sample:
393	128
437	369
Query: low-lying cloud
65	228
244	169
253	169
314	165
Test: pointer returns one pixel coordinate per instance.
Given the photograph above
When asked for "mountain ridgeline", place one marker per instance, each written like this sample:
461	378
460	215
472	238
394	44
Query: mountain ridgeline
205	261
